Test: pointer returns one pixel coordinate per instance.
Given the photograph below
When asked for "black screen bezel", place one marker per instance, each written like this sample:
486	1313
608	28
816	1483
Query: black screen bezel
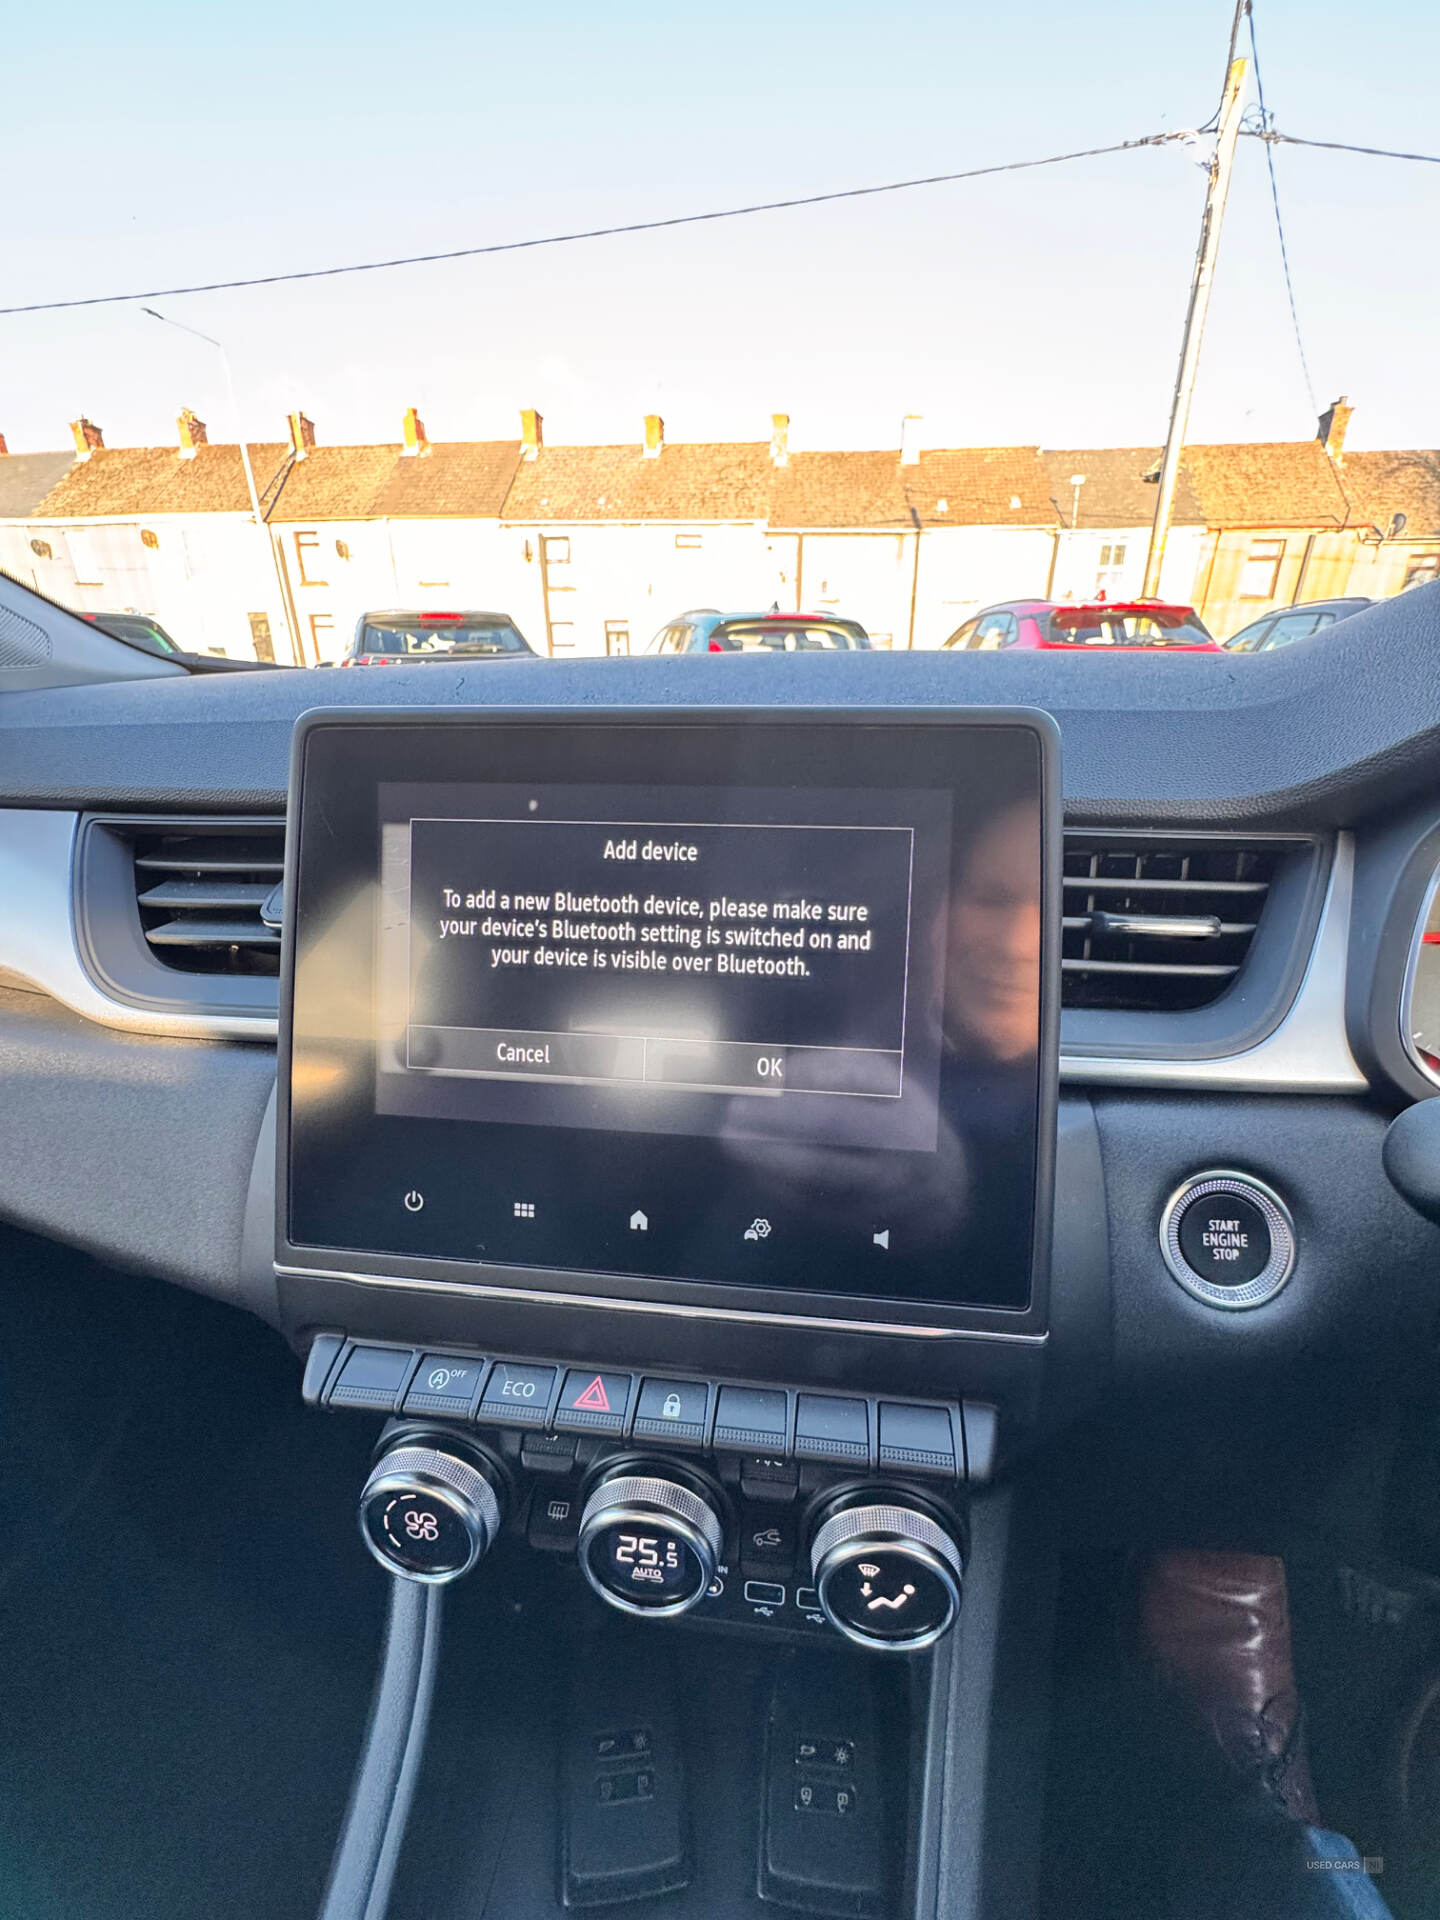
728	1300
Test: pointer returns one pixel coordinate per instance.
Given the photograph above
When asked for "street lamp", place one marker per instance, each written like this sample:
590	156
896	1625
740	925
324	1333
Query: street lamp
260	522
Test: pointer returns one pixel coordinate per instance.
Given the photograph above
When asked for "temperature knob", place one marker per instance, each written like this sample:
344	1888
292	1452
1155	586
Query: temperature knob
649	1544
431	1509
888	1576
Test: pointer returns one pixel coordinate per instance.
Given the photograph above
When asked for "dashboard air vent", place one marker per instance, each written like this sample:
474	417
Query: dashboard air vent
203	893
1156	924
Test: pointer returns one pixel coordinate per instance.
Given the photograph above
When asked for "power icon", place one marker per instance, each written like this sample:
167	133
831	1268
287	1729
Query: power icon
414	1201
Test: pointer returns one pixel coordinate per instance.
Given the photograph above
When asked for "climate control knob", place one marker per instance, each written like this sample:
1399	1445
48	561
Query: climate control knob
649	1544
431	1508
887	1575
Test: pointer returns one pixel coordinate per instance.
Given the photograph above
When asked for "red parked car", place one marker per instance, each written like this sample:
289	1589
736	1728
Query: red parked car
1121	625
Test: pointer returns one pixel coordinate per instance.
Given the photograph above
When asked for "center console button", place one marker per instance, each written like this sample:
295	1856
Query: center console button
754	1418
594	1402
916	1437
517	1396
768	1477
673	1409
554	1521
767	1538
371	1377
445	1383
552	1453
832	1429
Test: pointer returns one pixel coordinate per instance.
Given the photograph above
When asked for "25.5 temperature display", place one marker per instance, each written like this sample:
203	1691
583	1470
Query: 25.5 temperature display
635	1563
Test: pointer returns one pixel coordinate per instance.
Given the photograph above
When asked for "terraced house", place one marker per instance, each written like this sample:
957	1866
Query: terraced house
592	549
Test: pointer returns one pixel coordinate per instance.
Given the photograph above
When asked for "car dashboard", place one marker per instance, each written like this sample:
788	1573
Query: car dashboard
667	1276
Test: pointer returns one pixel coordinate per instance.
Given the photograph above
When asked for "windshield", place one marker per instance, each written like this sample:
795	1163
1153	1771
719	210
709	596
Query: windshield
1085	627
774	636
1137	320
459	636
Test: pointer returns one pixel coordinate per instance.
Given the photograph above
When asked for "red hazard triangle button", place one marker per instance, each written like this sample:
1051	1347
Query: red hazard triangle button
594	1400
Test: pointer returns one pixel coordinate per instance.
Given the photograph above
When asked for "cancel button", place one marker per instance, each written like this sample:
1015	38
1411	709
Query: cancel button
1225	1239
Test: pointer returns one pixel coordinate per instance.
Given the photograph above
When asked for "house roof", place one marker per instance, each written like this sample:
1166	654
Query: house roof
990	486
467	478
330	483
980	486
699	481
1275	483
1407	481
145	480
1116	492
26	478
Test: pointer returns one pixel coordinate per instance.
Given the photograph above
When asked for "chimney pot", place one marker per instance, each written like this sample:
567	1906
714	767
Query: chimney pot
413	428
910	440
780	439
1333	424
532	432
88	437
192	433
302	435
654	436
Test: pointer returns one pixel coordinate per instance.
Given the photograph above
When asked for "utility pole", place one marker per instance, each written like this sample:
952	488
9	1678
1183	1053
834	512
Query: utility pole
291	631
1227	133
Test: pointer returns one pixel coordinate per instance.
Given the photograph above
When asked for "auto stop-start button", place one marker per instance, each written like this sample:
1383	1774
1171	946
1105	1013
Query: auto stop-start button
1225	1238
1228	1239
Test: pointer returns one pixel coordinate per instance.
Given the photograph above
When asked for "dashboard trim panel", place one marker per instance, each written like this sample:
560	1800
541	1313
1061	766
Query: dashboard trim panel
681	1309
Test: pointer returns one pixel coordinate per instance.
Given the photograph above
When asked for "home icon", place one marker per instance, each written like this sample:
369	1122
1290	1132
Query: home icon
639	1223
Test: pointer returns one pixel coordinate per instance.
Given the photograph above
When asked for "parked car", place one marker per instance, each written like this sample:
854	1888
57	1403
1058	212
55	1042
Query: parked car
1123	626
138	629
401	639
142	631
1282	626
703	630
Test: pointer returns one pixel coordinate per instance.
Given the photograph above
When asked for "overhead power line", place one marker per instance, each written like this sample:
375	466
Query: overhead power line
593	233
688	219
1279	222
1338	146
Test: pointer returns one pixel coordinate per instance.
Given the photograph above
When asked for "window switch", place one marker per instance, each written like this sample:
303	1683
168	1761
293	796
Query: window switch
625	1834
824	1796
822	1835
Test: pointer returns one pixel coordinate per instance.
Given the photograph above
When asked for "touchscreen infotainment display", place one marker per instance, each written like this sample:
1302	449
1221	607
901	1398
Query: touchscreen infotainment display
742	1002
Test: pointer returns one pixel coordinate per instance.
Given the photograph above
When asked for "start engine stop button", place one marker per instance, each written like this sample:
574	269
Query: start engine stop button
1228	1239
1225	1237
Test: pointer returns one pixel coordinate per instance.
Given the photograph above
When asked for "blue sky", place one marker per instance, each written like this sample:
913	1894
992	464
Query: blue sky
163	143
